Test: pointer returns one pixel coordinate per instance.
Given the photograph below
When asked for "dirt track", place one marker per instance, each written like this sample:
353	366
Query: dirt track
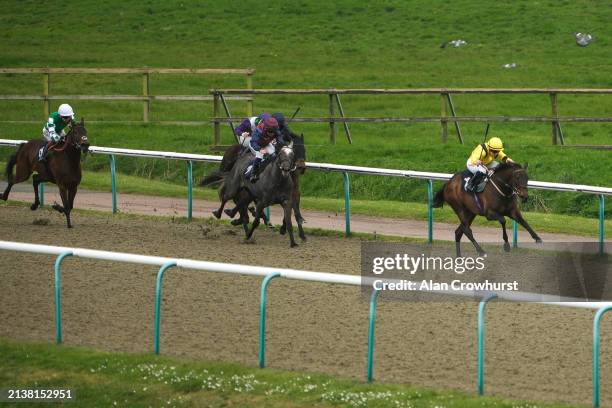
533	351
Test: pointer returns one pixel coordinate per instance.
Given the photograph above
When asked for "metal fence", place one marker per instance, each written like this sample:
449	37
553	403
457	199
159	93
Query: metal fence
272	273
448	113
429	177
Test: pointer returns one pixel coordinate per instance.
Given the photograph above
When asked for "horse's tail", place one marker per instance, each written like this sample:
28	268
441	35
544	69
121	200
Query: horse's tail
11	164
215	177
438	200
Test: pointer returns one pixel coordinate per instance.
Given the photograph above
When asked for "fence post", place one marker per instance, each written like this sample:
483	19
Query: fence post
332	123
443	116
41	194
262	318
189	189
46	89
158	288
58	296
216	125
601	224
113	182
555	115
146	103
481	340
596	325
430	211
514	234
373	298
347	204
249	85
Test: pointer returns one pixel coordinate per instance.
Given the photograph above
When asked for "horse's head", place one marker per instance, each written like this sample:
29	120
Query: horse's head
519	181
286	160
77	136
300	152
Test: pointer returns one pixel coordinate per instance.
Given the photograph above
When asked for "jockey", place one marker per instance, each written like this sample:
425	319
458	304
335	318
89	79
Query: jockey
262	143
57	127
283	127
484	157
245	129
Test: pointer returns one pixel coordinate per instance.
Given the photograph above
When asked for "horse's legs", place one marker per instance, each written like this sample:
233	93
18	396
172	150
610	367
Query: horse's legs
36	180
265	218
258	213
288	209
466	218
7	190
515	214
63	209
502	221
71	194
22	172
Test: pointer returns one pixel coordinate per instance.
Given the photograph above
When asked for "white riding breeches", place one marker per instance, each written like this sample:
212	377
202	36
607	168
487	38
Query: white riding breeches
269	150
481	168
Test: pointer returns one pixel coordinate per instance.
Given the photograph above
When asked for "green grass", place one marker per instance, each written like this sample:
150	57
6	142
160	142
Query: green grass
142	380
317	44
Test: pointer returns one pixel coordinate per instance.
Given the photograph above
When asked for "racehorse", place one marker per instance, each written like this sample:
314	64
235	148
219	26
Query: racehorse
275	186
62	167
497	201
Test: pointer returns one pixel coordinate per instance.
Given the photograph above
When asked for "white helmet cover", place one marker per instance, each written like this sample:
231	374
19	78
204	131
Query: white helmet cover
65	110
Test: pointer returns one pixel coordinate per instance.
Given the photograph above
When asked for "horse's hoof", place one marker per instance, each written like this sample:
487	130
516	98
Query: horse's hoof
538	240
236	222
294	244
58	208
303	238
282	231
69	226
482	253
506	247
229	213
34	207
217	214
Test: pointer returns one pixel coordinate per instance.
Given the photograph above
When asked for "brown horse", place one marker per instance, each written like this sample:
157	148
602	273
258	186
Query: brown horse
498	200
62	167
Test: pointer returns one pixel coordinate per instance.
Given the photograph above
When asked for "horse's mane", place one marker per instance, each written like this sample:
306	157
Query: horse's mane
505	166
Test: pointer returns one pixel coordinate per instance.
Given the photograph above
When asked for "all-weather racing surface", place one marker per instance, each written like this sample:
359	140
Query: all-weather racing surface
533	351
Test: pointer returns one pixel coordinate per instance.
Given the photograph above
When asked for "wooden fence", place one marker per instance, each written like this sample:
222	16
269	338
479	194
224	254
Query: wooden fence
447	108
146	97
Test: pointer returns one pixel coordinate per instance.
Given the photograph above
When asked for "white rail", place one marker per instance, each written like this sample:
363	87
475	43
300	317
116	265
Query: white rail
328	167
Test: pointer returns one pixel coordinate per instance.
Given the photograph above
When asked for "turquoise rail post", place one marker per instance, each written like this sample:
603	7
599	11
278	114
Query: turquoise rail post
347	204
373	298
189	189
481	340
430	211
113	182
596	325
514	234
601	224
267	210
262	318
58	296
158	288
41	194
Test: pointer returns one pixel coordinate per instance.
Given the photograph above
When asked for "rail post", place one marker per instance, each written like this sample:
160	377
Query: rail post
373	298
113	171
430	211
514	234
555	114
481	341
58	295
347	204
146	102
189	189
216	124
601	224
444	116
249	85
41	194
158	288
46	88
332	123
596	324
262	317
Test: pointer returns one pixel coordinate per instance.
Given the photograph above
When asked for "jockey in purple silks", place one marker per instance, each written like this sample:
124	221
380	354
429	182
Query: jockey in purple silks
245	129
263	143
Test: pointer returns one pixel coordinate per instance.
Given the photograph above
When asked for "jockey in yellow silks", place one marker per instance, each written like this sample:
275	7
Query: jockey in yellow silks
485	157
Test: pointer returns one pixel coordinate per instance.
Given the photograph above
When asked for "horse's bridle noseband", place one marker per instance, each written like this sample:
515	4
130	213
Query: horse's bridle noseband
509	186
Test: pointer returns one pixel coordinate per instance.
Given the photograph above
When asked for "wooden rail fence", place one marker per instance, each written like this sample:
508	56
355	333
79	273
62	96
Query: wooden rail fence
146	96
447	108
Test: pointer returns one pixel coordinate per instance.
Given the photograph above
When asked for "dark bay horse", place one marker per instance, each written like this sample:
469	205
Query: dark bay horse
62	167
498	200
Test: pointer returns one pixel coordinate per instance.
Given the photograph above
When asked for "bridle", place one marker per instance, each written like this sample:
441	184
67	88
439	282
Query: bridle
512	188
278	162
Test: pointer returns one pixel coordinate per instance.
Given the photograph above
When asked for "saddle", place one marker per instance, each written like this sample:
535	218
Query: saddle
466	176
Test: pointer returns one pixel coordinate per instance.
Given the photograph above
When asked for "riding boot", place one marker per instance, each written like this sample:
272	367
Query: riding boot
42	153
253	173
474	182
